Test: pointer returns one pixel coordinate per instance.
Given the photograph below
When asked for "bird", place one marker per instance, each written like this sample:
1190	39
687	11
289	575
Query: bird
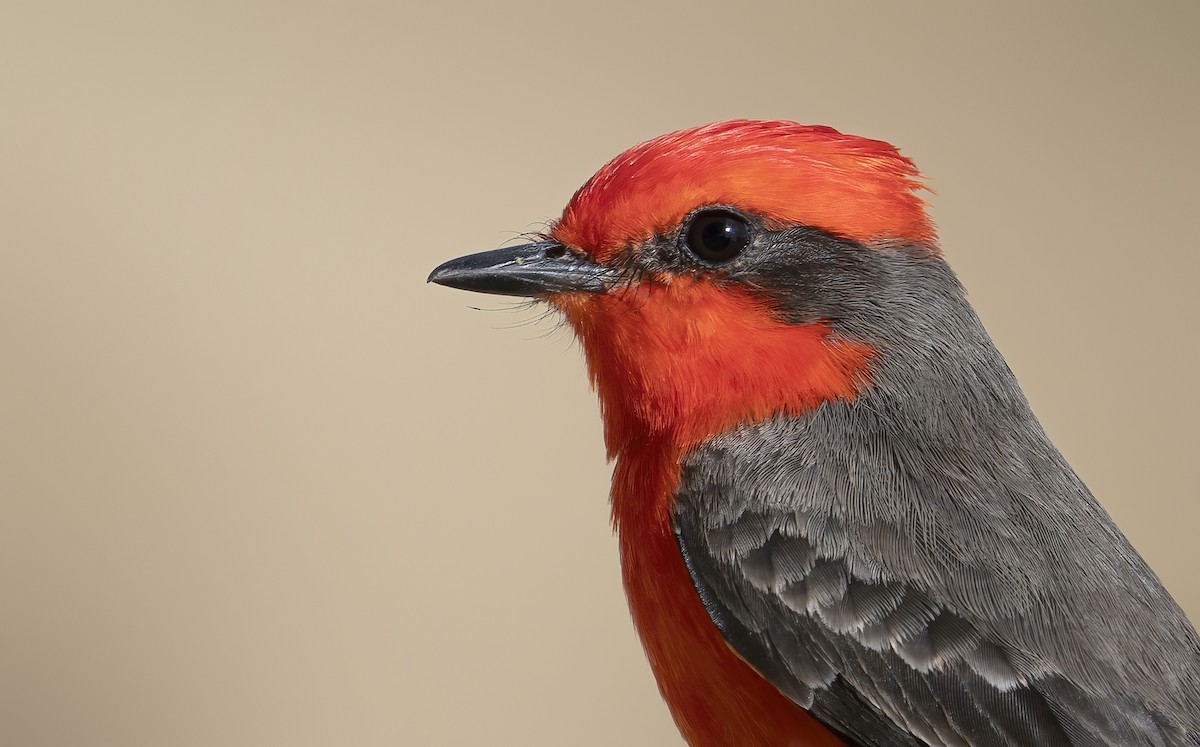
839	521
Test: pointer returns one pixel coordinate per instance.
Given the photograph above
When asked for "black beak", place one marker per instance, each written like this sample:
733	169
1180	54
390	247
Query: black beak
533	270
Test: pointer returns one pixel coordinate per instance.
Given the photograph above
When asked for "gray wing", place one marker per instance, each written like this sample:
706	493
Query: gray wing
905	593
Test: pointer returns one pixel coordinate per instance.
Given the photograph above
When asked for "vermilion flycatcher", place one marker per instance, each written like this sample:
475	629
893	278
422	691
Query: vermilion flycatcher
839	521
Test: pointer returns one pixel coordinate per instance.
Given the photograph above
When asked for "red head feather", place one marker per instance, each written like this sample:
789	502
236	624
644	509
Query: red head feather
789	173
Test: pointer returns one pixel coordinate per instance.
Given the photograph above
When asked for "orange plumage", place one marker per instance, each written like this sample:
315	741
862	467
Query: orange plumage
657	403
684	360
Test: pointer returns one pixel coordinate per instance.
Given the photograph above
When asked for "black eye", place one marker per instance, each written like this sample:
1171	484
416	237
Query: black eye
717	235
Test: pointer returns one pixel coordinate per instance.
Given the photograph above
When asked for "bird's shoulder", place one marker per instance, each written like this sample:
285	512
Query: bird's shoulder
964	600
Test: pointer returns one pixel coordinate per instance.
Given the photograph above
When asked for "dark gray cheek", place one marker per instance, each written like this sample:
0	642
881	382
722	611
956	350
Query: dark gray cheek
835	289
872	294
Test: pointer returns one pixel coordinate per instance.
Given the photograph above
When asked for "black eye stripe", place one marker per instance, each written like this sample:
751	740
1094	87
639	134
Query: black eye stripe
716	235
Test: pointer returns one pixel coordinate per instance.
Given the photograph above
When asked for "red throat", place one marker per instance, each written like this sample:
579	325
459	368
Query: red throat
681	361
675	364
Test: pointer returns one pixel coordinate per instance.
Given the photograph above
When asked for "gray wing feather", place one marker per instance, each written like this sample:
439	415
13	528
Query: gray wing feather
898	591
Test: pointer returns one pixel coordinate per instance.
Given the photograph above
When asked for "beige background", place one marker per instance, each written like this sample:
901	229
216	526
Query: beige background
261	485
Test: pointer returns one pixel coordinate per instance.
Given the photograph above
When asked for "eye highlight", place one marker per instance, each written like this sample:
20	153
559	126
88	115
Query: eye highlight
717	235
